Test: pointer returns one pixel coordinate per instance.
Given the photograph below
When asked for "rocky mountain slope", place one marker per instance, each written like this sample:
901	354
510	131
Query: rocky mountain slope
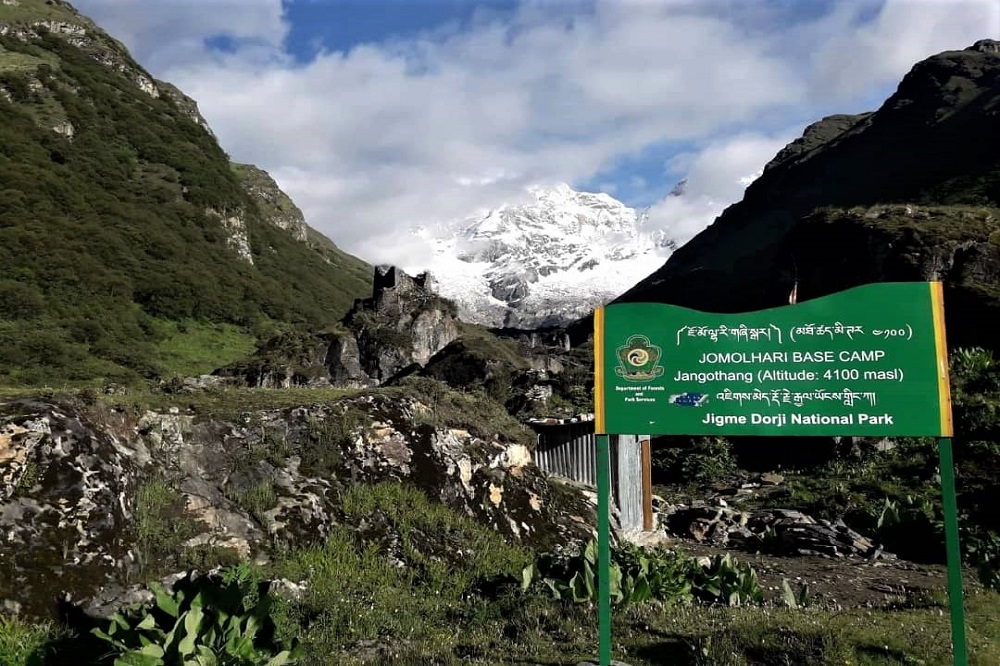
128	238
908	192
546	262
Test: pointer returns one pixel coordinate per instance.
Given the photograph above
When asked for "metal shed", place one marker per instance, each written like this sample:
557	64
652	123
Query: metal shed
567	448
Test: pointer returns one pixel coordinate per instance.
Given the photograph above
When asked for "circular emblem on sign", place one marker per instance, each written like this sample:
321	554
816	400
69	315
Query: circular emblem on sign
639	360
638	357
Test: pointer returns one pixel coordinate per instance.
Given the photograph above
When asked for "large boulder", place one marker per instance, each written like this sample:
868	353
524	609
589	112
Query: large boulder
67	500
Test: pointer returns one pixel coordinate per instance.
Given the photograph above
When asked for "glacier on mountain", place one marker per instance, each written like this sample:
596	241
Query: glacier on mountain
546	262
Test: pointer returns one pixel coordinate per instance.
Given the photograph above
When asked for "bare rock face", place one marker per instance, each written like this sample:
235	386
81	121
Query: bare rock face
343	362
986	46
187	106
67	496
277	207
74	481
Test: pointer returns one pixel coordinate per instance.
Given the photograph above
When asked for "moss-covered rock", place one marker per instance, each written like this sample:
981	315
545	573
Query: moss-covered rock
92	497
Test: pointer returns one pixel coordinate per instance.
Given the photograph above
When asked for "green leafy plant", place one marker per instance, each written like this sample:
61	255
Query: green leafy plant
638	575
794	598
971	361
634	576
221	620
724	578
983	549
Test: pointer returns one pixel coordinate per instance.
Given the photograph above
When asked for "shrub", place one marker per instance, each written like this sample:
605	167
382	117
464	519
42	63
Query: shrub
703	460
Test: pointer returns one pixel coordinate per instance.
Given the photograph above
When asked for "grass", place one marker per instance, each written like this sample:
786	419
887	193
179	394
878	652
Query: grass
470	410
160	526
417	583
11	61
226	403
256	500
514	629
369	602
25	644
724	637
370	588
420	523
196	348
485	344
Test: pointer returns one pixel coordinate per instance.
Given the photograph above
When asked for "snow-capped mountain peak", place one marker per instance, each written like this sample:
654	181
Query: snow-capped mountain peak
544	262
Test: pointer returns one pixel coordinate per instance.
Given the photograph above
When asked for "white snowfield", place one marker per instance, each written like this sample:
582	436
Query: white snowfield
544	263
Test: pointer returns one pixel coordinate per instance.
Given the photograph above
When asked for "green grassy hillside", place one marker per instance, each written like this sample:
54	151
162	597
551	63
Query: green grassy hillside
116	257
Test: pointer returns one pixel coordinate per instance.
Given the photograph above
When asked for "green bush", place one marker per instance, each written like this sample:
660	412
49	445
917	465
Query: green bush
701	460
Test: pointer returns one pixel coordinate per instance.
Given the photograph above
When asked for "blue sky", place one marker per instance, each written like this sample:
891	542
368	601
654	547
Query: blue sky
339	25
379	115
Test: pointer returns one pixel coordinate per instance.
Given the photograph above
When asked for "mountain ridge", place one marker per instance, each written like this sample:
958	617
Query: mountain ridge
122	221
907	172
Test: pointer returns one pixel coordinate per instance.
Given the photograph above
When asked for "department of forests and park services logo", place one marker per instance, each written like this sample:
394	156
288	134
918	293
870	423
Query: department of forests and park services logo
639	360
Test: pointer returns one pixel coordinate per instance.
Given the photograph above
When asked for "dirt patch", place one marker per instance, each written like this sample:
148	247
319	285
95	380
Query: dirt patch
841	583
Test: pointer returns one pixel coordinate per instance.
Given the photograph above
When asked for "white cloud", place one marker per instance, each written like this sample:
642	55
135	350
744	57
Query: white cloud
162	34
903	32
388	136
716	177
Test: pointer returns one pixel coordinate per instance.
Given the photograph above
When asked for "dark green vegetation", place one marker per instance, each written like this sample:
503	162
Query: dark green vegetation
117	260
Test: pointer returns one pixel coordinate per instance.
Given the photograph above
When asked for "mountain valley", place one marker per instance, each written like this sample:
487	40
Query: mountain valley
223	439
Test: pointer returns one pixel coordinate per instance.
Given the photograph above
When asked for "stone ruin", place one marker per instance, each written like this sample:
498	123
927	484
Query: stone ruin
394	292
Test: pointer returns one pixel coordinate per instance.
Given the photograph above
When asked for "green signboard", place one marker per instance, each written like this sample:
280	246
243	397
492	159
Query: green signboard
870	361
867	361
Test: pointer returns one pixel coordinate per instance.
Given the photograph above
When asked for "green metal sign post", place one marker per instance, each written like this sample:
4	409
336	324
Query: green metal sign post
954	553
869	361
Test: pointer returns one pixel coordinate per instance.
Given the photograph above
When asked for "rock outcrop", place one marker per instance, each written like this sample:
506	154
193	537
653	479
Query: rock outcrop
90	497
781	531
185	104
398	329
276	206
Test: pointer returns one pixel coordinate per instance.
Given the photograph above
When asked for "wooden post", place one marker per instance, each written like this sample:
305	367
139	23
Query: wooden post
647	487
